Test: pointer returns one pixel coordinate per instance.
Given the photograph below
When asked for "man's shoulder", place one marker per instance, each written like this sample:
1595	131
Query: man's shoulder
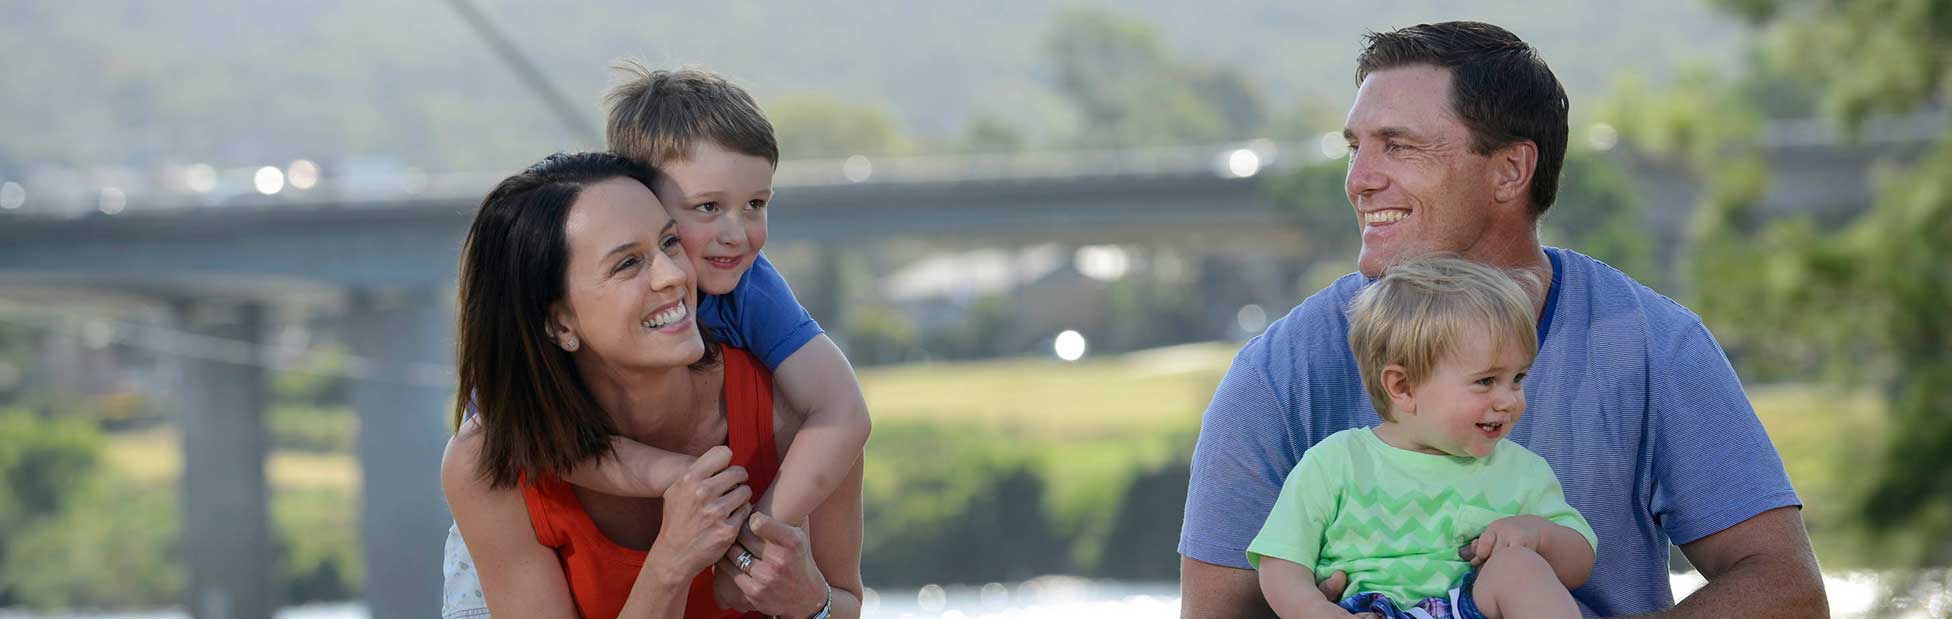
1324	313
1607	291
1312	335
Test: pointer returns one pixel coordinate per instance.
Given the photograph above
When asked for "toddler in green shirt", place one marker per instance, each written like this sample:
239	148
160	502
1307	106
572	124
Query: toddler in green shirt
1432	514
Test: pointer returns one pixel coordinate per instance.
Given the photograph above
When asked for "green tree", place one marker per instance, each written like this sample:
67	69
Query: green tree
1130	91
1312	199
70	533
1864	302
989	134
818	126
1598	214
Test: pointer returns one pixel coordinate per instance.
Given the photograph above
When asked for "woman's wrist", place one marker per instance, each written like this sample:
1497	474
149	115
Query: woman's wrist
662	573
820	605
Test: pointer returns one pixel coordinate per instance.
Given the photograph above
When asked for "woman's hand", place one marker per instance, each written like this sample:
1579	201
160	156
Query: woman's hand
702	514
782	580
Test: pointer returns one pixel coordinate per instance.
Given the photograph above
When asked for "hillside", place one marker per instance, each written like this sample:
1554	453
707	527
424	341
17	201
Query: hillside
236	82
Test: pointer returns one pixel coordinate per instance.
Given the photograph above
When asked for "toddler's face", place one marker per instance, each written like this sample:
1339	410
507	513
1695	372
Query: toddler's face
1471	400
719	197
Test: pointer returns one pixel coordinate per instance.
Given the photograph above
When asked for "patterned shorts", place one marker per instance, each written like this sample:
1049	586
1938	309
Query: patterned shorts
1458	605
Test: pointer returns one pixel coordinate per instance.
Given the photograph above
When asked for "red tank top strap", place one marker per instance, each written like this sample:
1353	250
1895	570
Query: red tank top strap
749	417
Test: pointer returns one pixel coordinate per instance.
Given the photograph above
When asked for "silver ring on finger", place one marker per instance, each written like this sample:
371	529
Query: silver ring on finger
744	560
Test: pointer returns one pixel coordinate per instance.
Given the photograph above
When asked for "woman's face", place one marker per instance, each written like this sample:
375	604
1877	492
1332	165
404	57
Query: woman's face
630	295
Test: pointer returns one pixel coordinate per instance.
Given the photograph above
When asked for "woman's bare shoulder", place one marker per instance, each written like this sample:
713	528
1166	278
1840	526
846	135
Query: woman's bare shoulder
461	462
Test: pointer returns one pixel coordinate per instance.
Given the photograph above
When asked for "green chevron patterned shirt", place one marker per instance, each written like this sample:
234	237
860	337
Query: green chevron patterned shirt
1394	518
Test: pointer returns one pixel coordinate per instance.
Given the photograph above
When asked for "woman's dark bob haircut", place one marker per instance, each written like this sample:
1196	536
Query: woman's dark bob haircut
538	419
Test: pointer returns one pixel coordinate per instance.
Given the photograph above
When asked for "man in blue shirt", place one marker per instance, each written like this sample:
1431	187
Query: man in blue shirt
1456	138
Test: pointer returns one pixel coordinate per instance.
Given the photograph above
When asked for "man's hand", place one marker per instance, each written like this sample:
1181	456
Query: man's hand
1334	586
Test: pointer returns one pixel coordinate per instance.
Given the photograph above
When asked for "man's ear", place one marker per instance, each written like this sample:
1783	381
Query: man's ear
1512	169
1396	382
561	327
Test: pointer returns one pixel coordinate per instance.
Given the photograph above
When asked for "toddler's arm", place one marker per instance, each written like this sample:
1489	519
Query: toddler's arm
1568	552
1290	590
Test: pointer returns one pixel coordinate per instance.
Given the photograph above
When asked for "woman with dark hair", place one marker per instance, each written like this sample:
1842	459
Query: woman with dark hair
576	324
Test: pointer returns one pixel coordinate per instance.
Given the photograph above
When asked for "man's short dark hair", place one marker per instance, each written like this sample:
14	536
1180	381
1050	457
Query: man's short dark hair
1499	87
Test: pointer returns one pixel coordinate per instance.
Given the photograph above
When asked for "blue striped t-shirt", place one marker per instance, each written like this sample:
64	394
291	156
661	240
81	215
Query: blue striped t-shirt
1630	400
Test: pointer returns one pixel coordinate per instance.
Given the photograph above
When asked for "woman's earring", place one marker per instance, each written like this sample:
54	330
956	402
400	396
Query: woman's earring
570	343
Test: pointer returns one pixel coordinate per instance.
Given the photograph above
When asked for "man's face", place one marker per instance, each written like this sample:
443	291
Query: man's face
1416	185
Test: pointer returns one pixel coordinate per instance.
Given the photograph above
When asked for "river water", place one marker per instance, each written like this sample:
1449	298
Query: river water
1852	595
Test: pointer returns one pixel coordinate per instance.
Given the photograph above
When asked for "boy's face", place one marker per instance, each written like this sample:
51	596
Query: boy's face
1470	401
719	197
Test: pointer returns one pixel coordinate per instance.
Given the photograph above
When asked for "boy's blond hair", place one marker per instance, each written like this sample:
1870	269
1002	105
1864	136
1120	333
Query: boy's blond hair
656	116
1419	311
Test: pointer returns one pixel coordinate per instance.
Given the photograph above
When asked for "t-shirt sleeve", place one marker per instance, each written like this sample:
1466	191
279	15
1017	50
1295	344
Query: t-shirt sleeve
1238	464
760	315
1295	527
1548	501
1713	464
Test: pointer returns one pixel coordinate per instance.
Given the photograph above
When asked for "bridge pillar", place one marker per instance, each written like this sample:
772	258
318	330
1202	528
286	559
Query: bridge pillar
403	412
226	532
819	285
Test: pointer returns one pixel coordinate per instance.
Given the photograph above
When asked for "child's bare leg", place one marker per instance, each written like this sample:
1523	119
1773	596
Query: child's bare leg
1517	583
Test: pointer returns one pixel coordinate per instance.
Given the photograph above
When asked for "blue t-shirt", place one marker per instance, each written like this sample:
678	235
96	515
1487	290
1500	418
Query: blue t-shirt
1630	400
759	315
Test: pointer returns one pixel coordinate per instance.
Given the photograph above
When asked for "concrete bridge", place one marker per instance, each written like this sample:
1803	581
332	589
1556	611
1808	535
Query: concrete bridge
225	273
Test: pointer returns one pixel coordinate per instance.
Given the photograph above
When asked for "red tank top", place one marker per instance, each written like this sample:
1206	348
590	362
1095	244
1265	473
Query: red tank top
600	572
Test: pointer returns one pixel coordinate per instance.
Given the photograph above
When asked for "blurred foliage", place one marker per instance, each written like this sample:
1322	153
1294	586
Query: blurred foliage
817	127
318	551
72	531
41	461
116	545
985	331
1131	92
878	334
957	491
299	427
1312	198
89	513
318	378
1145	311
1864	302
1599	214
985	133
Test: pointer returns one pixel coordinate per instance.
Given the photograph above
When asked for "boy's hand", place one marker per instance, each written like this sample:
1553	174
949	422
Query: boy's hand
1520	531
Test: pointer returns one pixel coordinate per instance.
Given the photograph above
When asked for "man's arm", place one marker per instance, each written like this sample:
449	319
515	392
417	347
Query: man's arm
1714	463
1244	452
1208	590
1761	567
